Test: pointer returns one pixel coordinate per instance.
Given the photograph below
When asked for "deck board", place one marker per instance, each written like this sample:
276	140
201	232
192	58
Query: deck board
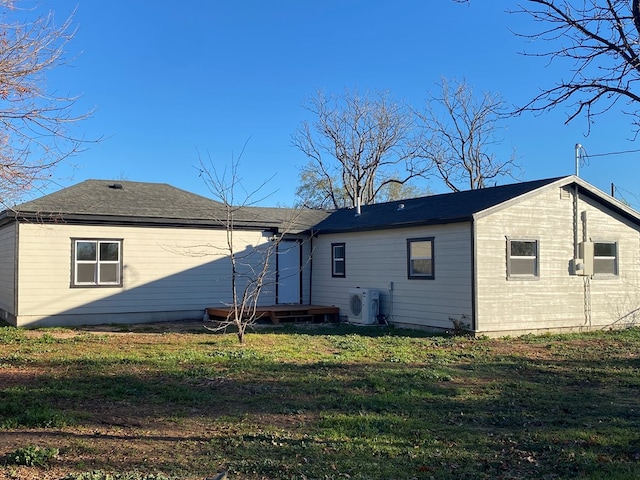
278	313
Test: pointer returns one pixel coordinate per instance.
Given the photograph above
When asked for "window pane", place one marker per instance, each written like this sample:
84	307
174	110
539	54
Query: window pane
420	261
604	265
421	249
109	273
109	251
523	266
604	249
86	273
523	249
338	252
421	267
86	251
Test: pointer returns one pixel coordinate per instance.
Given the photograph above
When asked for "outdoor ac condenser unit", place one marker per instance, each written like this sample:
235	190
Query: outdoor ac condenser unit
364	306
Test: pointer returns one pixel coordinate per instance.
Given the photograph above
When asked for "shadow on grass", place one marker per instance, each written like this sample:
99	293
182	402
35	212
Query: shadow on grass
306	328
503	416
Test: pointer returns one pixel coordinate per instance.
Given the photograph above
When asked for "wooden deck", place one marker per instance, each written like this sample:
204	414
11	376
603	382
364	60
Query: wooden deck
280	313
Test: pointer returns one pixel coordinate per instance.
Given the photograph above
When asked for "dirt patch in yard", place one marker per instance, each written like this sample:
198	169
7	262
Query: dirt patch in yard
120	435
176	399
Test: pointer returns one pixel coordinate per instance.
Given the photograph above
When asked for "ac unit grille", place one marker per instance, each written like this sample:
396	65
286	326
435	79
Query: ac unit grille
356	305
363	306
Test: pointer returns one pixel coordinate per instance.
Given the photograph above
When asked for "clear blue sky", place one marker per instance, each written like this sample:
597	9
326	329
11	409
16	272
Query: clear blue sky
174	80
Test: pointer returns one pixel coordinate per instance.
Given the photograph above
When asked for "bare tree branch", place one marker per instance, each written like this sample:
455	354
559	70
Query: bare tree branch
600	41
463	135
358	146
252	266
35	124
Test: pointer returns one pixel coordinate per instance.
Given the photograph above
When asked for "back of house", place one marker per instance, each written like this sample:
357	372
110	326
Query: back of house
547	255
498	261
564	257
128	252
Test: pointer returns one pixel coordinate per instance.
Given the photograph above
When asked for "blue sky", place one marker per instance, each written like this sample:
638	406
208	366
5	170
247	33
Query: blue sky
172	81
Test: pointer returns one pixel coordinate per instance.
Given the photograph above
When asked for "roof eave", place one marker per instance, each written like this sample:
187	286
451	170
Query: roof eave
85	219
395	225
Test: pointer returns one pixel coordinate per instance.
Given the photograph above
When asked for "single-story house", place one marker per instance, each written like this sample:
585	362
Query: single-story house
547	255
555	254
128	252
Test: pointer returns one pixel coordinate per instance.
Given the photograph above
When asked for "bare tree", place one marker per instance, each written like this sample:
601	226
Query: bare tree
463	129
252	266
35	134
315	191
600	41
356	146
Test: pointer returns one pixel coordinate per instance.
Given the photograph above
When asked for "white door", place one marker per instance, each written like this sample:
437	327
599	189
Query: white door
288	288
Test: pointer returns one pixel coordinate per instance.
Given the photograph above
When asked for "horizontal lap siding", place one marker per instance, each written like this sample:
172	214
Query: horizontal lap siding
613	298
557	299
164	269
374	259
306	271
7	268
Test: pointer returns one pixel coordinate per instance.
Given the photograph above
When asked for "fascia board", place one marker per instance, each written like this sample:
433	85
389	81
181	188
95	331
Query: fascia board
75	219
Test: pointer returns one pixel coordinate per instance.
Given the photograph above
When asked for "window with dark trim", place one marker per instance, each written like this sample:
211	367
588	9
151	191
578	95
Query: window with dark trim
96	262
420	261
522	259
605	258
338	260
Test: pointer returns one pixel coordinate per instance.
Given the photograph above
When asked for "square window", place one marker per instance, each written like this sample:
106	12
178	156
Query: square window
420	258
522	259
338	260
96	263
605	258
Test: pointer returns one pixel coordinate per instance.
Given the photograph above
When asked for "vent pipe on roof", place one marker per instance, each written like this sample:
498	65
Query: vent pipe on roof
358	207
578	149
116	186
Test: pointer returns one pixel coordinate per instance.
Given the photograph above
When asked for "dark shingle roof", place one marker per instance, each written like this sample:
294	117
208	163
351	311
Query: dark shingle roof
126	202
134	199
138	203
431	210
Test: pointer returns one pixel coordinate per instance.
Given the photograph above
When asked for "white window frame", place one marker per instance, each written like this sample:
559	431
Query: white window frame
536	259
97	262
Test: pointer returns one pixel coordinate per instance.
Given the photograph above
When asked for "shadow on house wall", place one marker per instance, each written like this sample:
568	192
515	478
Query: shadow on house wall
180	296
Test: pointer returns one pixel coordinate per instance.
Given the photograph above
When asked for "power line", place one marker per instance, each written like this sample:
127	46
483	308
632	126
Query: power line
623	152
624	192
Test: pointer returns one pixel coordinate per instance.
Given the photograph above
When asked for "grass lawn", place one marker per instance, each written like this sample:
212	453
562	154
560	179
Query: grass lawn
321	402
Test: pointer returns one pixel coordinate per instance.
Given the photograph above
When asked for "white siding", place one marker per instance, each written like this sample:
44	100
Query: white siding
375	259
306	271
168	273
8	271
558	299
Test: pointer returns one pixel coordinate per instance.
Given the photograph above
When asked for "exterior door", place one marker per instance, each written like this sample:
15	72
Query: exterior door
288	286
